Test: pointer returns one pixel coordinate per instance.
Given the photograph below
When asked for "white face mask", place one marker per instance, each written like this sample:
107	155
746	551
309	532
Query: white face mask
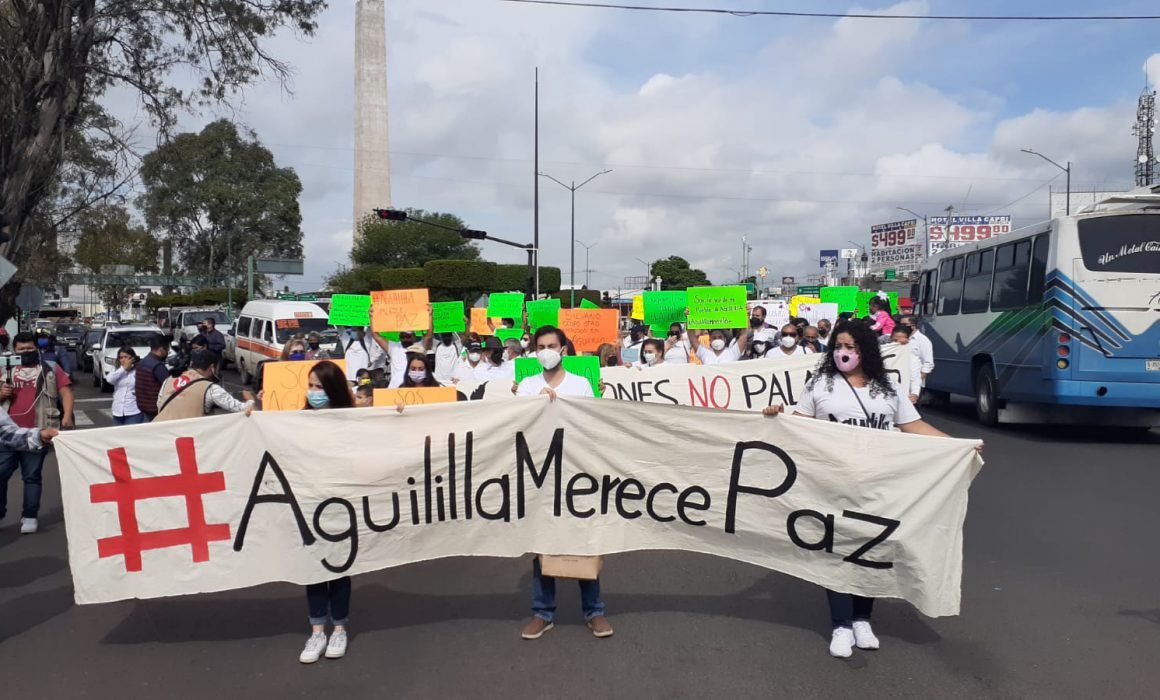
788	341
717	344
523	344
650	358
549	359
473	356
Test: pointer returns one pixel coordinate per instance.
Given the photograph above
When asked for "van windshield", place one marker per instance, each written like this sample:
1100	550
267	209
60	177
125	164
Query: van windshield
1127	243
192	318
287	328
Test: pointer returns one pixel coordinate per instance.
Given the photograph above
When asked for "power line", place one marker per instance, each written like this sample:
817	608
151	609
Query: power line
841	15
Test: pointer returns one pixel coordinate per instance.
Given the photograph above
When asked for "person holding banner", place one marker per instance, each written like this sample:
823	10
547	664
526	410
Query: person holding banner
677	349
852	387
720	350
550	343
327	387
652	353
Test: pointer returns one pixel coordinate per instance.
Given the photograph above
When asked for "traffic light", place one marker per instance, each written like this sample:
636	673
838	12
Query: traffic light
606	299
473	234
391	214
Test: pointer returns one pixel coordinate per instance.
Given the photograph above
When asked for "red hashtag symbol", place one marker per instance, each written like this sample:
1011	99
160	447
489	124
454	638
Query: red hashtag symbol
125	491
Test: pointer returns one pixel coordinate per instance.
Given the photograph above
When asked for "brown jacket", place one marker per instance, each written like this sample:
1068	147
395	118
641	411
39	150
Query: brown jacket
183	397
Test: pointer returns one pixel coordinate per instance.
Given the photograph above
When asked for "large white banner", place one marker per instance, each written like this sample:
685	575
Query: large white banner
749	385
225	502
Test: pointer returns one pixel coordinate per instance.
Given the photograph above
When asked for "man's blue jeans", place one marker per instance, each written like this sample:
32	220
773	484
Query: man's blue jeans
544	595
30	465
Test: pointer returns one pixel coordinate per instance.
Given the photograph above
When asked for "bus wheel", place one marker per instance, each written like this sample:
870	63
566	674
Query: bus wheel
986	396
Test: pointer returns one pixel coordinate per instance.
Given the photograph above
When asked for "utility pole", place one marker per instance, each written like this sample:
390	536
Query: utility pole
535	252
1064	169
572	253
587	266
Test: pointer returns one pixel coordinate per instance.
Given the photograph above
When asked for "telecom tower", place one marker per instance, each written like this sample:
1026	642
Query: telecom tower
1144	130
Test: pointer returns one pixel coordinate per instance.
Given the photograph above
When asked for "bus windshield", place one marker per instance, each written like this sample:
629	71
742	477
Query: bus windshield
1127	243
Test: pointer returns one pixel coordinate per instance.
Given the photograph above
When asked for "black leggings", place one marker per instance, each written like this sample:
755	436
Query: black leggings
845	608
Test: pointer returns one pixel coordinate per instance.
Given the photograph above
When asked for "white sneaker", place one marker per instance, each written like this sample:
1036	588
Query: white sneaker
864	636
314	648
842	643
337	647
29	526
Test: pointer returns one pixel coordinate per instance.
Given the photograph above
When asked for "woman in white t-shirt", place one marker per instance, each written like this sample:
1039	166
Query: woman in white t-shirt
551	344
652	354
677	348
720	350
853	388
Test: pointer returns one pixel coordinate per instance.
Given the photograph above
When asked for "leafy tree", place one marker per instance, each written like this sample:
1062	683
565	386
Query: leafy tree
58	56
219	197
109	237
675	273
410	243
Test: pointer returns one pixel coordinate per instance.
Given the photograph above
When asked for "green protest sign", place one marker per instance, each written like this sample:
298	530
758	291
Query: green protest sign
717	307
585	304
505	305
863	303
543	313
395	335
447	317
665	308
845	297
350	310
505	334
587	366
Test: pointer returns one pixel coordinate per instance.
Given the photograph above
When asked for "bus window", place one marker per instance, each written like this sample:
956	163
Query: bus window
950	287
1127	243
1038	270
244	326
977	288
926	292
1012	263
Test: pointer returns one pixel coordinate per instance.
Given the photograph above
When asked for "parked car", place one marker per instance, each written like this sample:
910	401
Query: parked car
68	336
264	327
104	352
84	348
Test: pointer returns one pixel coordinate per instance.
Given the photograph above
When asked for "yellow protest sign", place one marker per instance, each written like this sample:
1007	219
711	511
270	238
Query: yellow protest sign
284	383
801	299
415	396
638	307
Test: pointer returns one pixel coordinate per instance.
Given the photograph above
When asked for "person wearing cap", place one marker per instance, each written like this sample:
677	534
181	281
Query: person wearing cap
630	353
472	368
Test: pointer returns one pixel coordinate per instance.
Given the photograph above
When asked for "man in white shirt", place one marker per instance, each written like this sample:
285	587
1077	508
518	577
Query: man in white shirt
448	350
361	352
720	350
902	336
630	353
505	369
551	344
473	368
925	347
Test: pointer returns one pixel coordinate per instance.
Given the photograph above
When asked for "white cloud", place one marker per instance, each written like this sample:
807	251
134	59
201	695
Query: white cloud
801	145
1152	69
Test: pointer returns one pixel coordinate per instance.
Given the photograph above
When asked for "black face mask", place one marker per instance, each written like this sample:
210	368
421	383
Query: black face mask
445	338
612	361
756	322
674	334
30	359
313	346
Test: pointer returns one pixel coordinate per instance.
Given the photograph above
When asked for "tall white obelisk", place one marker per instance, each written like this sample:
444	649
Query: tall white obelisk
372	145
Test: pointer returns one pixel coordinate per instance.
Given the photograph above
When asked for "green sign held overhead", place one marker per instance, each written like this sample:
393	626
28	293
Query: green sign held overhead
662	309
350	310
506	334
505	305
717	307
845	297
545	312
587	366
447	317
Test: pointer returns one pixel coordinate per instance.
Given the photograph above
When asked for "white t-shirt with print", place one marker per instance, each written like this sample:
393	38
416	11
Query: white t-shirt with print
731	353
572	385
834	401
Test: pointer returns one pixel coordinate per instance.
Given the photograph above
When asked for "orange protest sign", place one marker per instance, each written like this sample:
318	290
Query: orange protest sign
588	329
284	383
479	322
399	310
416	396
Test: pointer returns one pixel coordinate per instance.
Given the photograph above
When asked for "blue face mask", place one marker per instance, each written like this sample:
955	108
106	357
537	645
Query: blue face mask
317	398
42	342
297	356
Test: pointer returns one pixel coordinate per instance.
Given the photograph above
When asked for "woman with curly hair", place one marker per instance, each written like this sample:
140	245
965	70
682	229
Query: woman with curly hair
853	388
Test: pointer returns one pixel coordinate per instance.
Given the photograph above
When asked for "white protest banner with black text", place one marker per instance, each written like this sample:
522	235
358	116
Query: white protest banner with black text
225	502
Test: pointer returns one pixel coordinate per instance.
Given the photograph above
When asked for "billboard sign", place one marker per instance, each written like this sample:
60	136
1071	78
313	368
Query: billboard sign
849	253
894	245
953	232
827	257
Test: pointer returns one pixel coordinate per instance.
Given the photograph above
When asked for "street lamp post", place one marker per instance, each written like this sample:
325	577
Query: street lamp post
587	268
647	271
1067	170
572	188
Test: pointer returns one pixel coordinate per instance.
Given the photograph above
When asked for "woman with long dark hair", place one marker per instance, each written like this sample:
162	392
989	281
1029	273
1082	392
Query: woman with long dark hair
419	372
852	387
330	600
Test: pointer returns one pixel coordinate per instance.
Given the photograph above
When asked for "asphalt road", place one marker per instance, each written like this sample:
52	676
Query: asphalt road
1060	600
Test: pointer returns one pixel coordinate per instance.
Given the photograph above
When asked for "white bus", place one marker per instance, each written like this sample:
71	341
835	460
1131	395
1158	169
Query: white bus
1057	322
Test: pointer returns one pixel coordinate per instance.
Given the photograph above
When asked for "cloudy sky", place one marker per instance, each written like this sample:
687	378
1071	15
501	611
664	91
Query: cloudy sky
800	133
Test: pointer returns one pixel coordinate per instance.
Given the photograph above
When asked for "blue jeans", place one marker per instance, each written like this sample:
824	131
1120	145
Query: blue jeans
544	595
135	419
329	600
846	609
30	465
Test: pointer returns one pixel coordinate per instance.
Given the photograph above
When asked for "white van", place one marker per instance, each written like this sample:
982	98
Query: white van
264	326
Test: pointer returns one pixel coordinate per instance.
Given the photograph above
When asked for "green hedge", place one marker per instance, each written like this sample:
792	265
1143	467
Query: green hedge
459	274
400	278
